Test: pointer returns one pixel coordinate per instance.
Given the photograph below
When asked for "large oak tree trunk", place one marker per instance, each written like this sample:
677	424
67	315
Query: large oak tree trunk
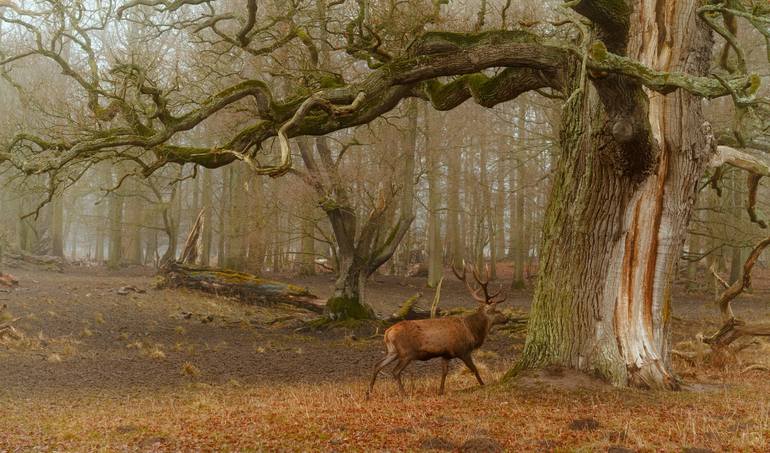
617	218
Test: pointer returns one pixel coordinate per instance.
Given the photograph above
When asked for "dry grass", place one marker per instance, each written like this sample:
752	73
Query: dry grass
191	370
155	380
302	417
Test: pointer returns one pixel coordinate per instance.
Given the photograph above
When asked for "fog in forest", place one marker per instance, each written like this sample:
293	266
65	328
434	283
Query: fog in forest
224	224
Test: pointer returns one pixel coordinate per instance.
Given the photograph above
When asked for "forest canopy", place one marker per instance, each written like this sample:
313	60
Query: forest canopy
142	76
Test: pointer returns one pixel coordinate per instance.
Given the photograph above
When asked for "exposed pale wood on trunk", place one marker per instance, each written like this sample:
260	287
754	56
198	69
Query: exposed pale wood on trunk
622	198
192	246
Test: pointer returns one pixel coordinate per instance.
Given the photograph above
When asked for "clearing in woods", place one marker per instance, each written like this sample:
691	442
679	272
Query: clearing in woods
170	370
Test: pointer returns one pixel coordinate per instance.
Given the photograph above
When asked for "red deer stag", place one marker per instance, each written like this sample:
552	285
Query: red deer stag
448	338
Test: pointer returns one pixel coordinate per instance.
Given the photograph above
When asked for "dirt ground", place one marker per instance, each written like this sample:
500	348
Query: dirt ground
171	370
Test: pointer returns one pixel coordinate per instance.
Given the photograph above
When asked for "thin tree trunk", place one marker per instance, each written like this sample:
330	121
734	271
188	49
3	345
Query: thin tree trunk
307	243
235	249
57	226
23	232
99	252
521	250
435	250
499	208
151	247
115	255
135	210
487	219
512	200
223	220
256	255
208	223
736	260
479	215
407	178
522	246
454	240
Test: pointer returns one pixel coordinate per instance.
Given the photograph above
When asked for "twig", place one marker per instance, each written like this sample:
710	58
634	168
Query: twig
755	367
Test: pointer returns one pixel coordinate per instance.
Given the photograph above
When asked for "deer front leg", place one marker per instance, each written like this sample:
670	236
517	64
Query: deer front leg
468	360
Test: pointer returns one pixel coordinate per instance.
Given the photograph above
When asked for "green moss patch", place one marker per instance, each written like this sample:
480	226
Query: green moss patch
340	308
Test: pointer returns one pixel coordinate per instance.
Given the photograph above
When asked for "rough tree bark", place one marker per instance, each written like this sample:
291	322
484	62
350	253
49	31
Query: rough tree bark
622	197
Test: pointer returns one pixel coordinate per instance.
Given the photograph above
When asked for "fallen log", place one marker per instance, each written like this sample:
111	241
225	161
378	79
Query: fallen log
23	260
245	287
408	310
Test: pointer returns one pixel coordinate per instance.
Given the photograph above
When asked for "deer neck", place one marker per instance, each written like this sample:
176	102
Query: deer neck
478	325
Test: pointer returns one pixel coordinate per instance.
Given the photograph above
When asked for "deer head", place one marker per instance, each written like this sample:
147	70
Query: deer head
481	294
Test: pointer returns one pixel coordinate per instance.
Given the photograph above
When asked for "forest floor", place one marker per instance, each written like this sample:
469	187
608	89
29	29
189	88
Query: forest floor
171	370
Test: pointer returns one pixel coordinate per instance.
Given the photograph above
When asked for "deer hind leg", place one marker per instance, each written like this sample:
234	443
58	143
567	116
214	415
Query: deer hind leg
378	367
397	374
444	371
468	360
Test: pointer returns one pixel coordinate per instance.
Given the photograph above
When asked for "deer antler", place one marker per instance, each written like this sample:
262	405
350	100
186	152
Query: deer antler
481	293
